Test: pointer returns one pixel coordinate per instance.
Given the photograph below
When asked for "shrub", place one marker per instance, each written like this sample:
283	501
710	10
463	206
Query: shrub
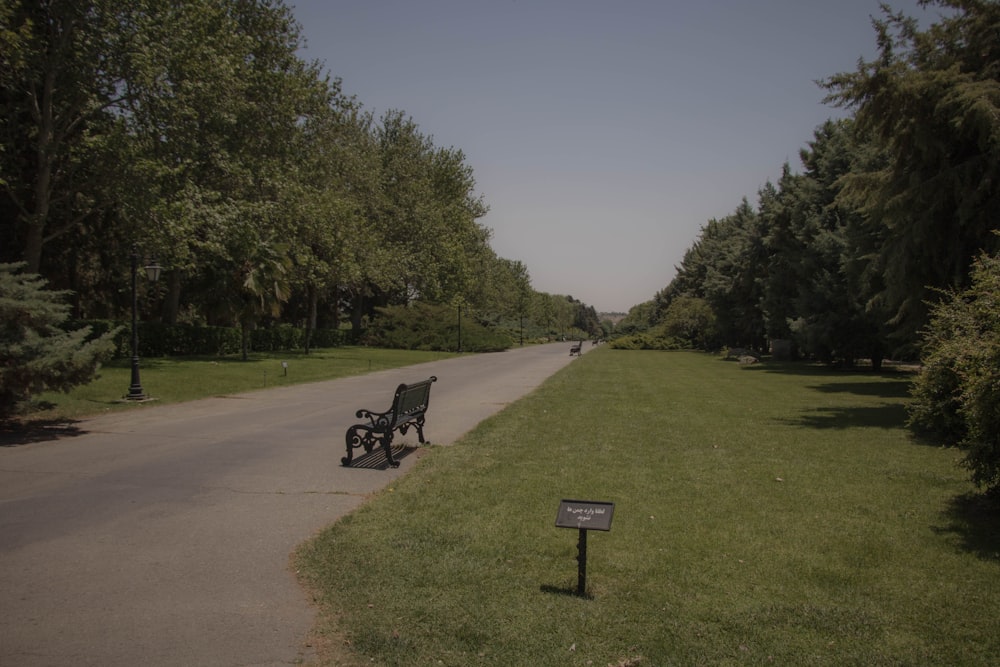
957	394
693	320
654	339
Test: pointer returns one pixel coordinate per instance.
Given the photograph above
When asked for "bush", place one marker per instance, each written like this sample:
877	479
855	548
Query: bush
277	338
650	340
691	319
957	394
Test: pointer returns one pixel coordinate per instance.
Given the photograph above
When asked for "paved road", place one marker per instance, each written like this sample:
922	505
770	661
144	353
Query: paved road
162	536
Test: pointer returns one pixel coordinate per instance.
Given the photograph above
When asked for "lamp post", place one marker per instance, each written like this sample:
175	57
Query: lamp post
135	392
460	327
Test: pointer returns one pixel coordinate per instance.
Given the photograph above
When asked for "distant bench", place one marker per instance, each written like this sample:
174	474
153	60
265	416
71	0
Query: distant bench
409	405
576	349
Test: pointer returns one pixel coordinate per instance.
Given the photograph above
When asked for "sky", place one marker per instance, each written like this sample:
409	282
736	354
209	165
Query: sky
602	134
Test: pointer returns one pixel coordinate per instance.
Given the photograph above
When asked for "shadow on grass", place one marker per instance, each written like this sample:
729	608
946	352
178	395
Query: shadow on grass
569	591
975	519
894	389
802	368
890	416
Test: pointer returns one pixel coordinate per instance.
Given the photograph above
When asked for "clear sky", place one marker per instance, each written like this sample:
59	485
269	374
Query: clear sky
603	134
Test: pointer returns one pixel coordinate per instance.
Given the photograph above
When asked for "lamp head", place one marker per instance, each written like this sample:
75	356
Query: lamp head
153	271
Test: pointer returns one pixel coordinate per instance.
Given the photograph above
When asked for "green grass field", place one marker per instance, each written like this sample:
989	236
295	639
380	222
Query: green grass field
763	515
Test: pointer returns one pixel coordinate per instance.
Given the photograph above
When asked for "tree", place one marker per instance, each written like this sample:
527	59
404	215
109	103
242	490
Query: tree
35	354
724	268
692	320
60	70
521	283
195	129
586	320
931	101
834	311
218	105
250	282
427	220
169	122
778	208
334	185
641	316
265	285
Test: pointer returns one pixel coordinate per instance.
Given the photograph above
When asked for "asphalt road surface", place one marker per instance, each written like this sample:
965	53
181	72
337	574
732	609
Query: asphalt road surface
162	535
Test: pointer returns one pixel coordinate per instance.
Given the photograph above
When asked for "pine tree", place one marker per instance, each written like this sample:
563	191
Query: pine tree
35	354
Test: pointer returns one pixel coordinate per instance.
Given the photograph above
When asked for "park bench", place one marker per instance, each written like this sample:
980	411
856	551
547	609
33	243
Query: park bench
576	349
409	405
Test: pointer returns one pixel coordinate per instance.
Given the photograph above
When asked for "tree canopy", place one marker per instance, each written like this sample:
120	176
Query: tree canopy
195	130
892	205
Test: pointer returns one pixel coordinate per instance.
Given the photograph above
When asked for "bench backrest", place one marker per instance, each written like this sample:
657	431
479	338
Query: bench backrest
411	400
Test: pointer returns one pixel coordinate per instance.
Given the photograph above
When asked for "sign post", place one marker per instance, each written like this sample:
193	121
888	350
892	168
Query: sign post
584	515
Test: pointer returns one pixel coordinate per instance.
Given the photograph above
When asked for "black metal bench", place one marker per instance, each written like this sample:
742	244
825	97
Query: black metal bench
576	349
409	405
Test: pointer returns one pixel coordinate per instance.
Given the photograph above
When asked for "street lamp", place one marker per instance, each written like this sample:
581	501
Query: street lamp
135	392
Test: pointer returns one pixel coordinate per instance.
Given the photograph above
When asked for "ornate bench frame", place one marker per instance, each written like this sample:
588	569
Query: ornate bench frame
409	405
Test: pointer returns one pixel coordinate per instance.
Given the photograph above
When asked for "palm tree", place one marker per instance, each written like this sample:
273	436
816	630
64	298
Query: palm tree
265	285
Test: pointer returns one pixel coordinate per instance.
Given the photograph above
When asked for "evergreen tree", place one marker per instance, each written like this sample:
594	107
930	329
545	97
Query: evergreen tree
734	261
780	281
931	101
35	354
833	319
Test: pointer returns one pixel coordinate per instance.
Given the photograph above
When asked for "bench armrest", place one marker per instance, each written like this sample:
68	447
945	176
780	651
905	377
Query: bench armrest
374	417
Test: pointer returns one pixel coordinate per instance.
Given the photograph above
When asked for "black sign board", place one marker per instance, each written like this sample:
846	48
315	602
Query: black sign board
585	514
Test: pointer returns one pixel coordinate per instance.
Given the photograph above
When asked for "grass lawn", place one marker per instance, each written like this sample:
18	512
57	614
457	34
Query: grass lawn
763	515
187	378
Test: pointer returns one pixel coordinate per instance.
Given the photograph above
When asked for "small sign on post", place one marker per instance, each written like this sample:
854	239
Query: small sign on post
584	515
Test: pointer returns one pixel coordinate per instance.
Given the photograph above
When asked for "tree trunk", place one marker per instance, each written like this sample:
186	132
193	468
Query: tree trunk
335	308
43	194
357	311
313	297
44	150
172	302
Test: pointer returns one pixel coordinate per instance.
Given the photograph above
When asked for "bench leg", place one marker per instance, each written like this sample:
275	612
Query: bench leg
387	447
420	430
357	436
